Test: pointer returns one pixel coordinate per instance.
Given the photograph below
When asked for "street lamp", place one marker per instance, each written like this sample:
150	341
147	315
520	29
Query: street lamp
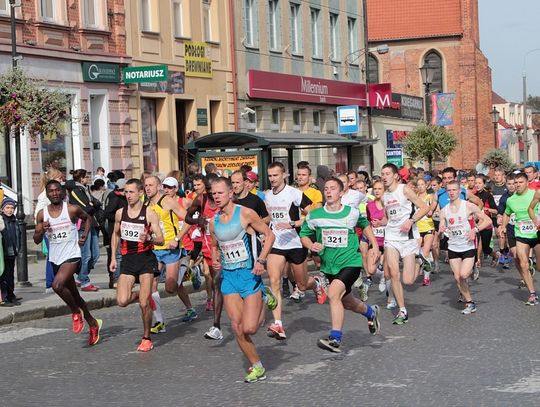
427	71
495	120
22	258
525	134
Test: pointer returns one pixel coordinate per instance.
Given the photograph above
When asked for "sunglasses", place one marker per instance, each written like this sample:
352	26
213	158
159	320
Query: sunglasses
168	187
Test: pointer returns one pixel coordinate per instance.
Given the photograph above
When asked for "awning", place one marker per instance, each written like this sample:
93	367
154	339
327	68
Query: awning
272	140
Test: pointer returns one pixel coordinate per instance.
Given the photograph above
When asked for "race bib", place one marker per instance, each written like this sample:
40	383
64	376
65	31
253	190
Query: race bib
280	216
512	220
335	237
394	212
456	232
60	233
436	217
233	252
131	232
526	227
378	232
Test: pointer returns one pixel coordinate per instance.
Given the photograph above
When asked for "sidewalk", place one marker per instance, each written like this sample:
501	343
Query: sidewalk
36	304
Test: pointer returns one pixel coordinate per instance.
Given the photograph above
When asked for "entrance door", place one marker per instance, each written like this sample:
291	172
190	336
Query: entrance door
180	108
99	134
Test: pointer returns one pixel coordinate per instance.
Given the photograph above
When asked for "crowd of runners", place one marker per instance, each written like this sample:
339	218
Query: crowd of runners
354	231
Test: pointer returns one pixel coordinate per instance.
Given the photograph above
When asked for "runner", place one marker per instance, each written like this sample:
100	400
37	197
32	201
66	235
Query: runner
426	228
136	229
58	220
523	205
509	237
337	245
284	203
401	235
244	197
532	177
498	188
490	209
233	232
456	221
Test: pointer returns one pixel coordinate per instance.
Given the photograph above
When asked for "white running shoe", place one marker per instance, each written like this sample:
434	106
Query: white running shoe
391	304
214	333
382	285
297	295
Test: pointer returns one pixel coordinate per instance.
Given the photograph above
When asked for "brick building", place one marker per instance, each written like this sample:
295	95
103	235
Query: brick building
445	33
77	46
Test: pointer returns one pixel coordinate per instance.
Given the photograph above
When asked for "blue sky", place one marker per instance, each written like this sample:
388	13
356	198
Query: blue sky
508	29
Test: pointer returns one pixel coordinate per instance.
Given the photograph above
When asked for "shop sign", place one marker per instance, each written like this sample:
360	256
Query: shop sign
227	164
202	117
404	107
198	60
100	72
173	84
141	74
278	86
394	138
394	156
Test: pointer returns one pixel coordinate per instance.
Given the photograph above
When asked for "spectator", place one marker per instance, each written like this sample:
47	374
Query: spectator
211	168
98	190
100	174
192	170
11	243
114	201
251	181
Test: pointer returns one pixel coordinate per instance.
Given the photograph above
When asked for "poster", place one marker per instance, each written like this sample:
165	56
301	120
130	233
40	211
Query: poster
227	164
442	111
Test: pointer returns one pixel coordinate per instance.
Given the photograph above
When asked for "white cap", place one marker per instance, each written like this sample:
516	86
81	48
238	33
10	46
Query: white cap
170	182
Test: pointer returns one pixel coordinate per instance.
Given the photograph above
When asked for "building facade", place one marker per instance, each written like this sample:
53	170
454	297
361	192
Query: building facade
190	39
445	34
78	47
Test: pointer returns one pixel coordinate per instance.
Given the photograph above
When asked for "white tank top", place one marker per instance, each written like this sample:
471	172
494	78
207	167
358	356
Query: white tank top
398	210
62	235
459	228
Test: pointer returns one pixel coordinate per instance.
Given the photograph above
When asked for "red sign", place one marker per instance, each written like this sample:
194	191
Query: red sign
279	86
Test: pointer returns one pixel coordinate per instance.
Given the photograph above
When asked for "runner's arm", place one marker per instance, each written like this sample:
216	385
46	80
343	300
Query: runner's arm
216	256
114	239
306	233
485	220
40	228
196	206
423	209
474	199
532	206
153	221
87	220
262	228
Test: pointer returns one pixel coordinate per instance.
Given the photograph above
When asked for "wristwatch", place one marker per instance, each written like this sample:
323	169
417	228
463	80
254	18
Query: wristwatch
292	224
176	239
261	261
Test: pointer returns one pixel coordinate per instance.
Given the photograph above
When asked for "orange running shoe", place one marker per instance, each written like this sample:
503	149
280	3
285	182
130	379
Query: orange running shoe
146	345
77	323
320	289
93	339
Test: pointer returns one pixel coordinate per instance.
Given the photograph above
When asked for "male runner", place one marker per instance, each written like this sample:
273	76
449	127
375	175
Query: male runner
136	229
58	220
336	243
403	209
234	255
532	177
509	239
498	188
522	203
457	219
284	203
244	197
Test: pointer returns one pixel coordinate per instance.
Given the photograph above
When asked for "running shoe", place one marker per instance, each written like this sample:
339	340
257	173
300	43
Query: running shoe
297	295
49	290
190	315
363	292
214	333
368	282
400	319
503	259
374	325
271	300
469	308
521	284
159	327
196	277
391	304
90	288
209	304
533	300
382	285
426	263
426	281
506	266
320	289
532	266
77	323
146	345
476	273
255	374
276	331
331	344
93	338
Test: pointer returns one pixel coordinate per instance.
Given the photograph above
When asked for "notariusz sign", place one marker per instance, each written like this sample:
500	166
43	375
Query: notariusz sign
141	74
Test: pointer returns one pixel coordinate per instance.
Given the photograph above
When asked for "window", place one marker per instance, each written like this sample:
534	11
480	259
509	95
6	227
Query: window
274	124
94	14
46	10
352	34
316	121
251	119
177	18
316	39
334	37
250	21
149	135
435	61
373	69
4	7
207	20
296	29
297	120
146	15
57	149
273	22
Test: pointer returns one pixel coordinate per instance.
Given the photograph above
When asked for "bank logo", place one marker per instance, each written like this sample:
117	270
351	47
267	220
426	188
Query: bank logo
93	72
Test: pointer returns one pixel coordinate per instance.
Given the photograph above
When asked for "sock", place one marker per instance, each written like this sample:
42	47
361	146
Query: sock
369	313
403	310
427	274
533	293
337	335
157	312
147	338
278	322
285	282
217	325
257	365
470	302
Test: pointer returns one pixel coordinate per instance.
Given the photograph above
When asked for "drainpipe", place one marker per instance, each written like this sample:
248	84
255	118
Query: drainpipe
233	64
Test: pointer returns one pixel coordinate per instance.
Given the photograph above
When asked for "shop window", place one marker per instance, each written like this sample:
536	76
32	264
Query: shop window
149	135
334	37
296	29
373	69
297	120
250	18
316	33
316	121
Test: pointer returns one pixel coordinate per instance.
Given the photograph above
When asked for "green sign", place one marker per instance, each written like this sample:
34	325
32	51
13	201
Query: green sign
202	117
141	74
100	72
394	156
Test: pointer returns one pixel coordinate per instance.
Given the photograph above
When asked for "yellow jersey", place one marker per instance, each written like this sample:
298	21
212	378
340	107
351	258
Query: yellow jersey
168	222
426	223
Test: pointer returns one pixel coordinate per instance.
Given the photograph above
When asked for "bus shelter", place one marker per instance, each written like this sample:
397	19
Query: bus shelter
230	150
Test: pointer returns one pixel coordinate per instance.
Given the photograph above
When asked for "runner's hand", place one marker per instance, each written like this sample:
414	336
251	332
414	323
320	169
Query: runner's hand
112	266
173	245
82	239
282	226
442	228
472	235
376	223
502	231
407	225
258	269
216	265
374	253
316	247
46	225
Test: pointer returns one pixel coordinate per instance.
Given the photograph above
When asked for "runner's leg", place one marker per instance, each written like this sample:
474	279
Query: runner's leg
275	266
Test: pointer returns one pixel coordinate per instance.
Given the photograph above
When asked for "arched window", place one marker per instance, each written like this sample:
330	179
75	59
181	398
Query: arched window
373	69
435	61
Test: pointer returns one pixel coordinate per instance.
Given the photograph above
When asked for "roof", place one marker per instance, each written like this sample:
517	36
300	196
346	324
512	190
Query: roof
413	19
274	140
505	124
497	99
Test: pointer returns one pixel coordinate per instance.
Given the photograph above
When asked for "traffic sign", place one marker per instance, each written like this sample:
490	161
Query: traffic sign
142	74
347	117
394	156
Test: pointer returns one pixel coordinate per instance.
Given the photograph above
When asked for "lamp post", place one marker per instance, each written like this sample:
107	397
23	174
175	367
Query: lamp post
427	71
495	120
525	132
22	260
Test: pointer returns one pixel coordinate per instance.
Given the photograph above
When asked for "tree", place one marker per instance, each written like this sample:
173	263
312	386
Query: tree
498	158
429	143
534	102
28	103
